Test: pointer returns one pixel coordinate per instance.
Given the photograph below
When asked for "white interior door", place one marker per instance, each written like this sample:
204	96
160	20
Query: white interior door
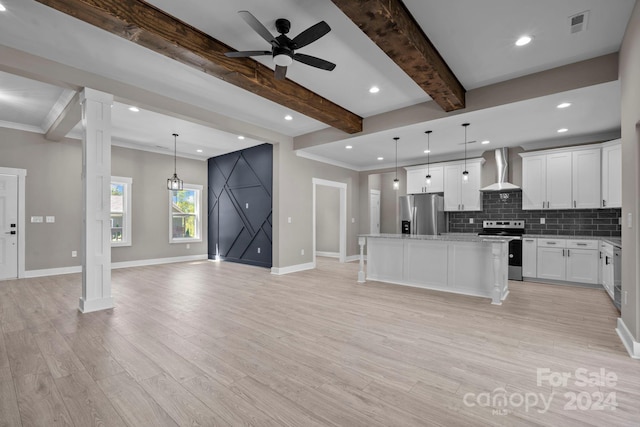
374	204
8	226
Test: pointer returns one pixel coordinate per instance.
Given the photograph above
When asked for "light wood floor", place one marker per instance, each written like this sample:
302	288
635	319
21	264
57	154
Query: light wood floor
225	344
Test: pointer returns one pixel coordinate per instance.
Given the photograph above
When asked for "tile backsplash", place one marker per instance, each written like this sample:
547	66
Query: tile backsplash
508	205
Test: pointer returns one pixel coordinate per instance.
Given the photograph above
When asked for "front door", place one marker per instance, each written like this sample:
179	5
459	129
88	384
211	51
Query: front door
8	226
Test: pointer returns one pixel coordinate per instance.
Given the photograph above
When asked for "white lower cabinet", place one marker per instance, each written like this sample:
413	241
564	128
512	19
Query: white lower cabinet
529	257
566	260
606	266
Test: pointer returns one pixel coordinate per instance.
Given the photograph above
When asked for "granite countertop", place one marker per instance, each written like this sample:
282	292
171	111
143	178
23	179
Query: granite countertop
451	237
615	241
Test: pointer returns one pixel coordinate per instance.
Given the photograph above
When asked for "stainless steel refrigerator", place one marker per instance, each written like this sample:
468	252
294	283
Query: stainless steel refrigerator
422	214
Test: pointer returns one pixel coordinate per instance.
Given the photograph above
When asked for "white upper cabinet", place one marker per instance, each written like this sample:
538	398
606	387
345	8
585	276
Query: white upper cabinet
566	178
417	183
415	180
611	175
559	181
546	181
586	178
460	195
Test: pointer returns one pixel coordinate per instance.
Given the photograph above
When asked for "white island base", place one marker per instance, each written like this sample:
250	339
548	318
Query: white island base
465	265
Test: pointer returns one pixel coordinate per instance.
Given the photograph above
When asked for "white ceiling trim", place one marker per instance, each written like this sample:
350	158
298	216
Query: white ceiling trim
20	126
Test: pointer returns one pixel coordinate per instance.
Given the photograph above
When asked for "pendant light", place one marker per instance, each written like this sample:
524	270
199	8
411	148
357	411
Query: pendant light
396	182
465	173
174	183
428	177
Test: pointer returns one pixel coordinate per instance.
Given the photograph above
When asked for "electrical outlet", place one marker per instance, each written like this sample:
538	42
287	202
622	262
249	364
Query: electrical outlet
543	221
289	220
301	251
353	220
246	205
470	220
74	254
625	297
188	246
258	250
629	220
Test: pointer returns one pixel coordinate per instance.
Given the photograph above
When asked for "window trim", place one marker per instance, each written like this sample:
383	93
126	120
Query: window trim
197	238
127	239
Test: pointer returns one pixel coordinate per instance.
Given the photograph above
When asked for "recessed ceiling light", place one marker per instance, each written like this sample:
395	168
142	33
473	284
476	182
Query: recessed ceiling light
564	105
2	8
427	151
563	130
380	158
524	40
349	147
288	117
240	137
134	109
374	89
485	142
199	151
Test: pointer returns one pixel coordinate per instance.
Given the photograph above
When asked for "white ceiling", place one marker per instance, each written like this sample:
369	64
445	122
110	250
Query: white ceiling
475	38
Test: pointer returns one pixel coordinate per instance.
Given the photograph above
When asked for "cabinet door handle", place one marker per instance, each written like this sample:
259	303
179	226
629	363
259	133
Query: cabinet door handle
542	205
574	203
563	252
551	243
600	254
604	203
581	244
568	252
528	240
606	260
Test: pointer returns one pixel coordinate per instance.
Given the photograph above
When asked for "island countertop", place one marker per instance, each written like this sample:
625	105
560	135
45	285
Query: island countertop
444	237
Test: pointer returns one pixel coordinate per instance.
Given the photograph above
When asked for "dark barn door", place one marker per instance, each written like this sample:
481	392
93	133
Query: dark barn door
240	205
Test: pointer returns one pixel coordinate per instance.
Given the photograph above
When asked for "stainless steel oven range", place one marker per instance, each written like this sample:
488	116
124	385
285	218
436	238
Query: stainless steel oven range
515	230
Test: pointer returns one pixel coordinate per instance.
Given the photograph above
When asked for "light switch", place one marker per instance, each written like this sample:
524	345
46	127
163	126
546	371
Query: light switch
629	220
51	219
36	219
289	220
353	220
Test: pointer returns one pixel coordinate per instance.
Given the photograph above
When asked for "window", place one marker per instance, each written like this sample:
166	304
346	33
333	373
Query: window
121	211
184	219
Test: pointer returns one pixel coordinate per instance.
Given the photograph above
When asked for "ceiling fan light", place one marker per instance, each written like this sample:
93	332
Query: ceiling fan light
282	60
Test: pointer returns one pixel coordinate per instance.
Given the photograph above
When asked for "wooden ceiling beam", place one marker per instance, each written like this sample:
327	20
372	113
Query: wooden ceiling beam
392	27
148	26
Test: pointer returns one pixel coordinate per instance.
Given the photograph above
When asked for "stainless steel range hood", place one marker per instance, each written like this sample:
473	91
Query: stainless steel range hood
502	166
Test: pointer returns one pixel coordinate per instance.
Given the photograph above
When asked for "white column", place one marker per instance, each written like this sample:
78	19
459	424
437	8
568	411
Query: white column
361	242
96	188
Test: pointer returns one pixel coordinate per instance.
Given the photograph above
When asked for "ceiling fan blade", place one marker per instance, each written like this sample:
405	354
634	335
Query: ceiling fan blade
281	72
257	27
311	34
314	62
247	53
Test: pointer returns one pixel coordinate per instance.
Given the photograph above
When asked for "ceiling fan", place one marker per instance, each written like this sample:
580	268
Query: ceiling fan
282	47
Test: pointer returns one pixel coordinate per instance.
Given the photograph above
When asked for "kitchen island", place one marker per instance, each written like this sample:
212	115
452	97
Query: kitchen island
463	264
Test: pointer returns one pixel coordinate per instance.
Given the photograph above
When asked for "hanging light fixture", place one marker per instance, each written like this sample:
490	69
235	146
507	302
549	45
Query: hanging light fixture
465	172
396	182
174	183
428	177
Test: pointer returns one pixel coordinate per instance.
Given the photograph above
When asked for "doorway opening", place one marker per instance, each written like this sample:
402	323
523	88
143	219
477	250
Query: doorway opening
342	217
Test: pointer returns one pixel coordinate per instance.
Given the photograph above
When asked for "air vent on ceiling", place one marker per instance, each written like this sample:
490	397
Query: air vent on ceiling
578	22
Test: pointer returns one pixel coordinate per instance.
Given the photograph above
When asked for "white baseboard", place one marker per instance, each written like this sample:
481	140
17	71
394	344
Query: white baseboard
328	254
632	346
353	258
114	265
53	271
157	261
293	268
